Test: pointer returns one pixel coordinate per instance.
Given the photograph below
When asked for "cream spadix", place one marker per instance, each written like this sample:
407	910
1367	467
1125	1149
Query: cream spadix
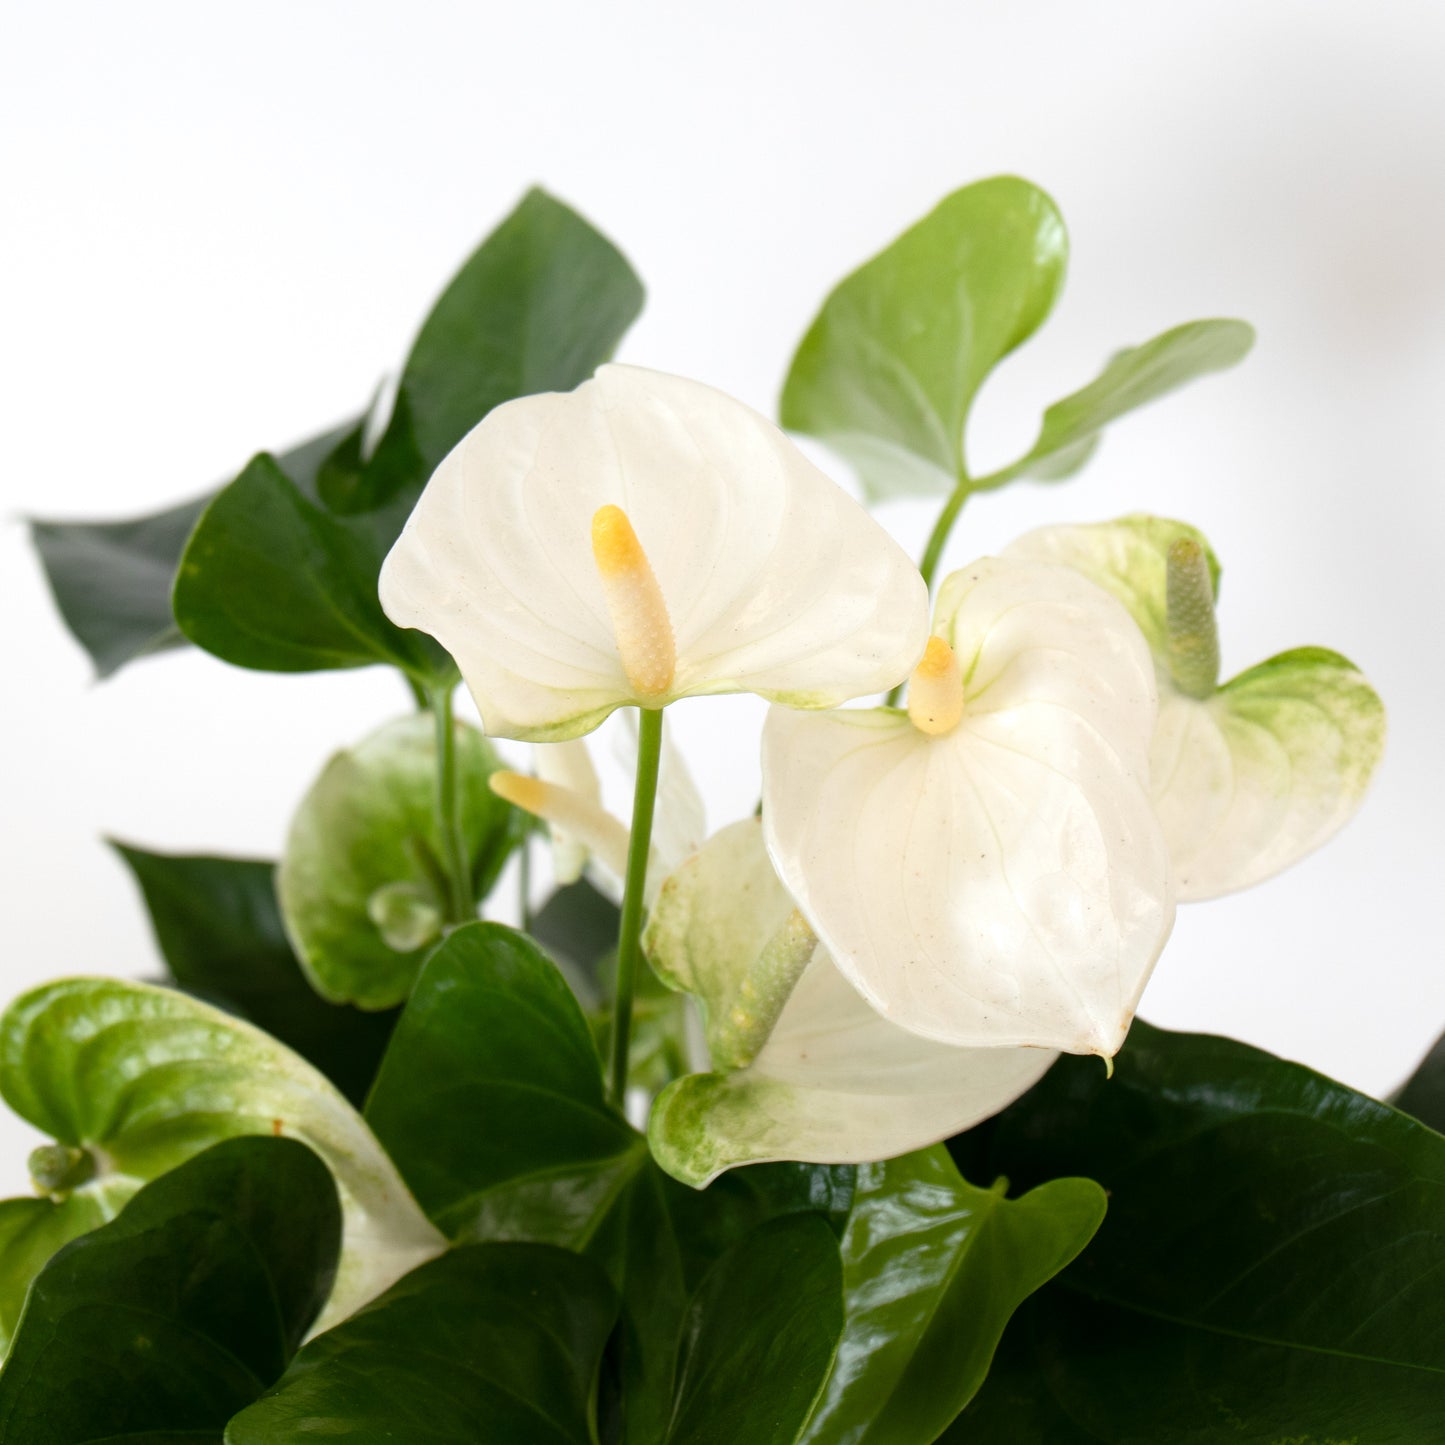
1250	776
569	538
1005	881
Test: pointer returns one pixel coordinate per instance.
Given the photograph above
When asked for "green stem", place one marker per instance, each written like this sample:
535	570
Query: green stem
629	937
937	540
459	906
524	881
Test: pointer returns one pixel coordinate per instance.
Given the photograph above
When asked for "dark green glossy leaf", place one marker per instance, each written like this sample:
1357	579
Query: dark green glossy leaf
1076	1371
360	883
270	580
888	371
933	1268
1274	1242
112	581
220	932
537	307
490	1100
759	1337
492	1344
1423	1095
1133	378
165	1322
490	1086
31	1230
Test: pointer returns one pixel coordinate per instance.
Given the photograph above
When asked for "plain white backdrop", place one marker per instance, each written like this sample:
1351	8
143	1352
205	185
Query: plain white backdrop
219	225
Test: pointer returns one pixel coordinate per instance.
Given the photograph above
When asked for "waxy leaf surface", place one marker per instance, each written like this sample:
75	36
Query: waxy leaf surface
494	1343
491	1101
759	1337
932	1270
144	1078
219	928
163	1323
369	823
1270	1261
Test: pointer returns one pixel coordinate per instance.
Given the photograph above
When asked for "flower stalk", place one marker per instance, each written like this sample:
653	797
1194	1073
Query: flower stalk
629	938
458	905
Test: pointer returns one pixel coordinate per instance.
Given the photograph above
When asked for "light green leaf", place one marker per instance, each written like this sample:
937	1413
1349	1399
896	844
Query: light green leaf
888	371
932	1270
143	1078
1133	378
494	1343
163	1323
360	867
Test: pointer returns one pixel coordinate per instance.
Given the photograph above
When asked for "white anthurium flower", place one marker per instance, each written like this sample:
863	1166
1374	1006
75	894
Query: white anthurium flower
641	539
986	868
567	796
1250	776
806	1069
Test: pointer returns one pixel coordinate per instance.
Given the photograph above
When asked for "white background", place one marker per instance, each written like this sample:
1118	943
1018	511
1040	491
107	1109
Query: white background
220	225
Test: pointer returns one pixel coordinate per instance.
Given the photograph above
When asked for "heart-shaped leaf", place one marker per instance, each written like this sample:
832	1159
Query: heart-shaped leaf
1269	1266
270	580
163	1323
360	884
220	931
494	1342
139	1079
112	580
888	371
490	1099
932	1270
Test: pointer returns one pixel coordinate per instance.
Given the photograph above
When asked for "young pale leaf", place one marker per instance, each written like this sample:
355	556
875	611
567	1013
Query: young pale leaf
220	931
1270	1260
817	1073
1133	378
166	1321
1423	1094
496	1342
932	1270
1256	773
365	835
759	1337
112	580
764	575
1003	882
272	581
142	1078
887	373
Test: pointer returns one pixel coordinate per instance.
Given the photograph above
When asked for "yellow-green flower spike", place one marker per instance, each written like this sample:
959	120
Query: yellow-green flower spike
935	690
634	602
1193	635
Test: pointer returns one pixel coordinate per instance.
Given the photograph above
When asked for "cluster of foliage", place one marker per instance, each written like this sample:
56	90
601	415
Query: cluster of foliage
358	1169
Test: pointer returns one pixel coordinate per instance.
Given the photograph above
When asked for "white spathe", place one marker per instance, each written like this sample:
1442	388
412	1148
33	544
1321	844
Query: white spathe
774	580
1253	777
820	1076
1005	883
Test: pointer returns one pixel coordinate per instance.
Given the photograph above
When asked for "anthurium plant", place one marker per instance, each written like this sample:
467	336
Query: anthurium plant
833	1125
